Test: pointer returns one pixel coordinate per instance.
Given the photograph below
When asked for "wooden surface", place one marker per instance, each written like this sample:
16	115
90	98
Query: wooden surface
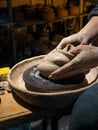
10	109
14	112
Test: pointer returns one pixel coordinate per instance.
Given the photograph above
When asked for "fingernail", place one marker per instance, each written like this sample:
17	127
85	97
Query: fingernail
50	76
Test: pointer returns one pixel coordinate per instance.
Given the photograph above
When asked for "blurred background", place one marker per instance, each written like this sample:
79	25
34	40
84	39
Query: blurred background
29	28
34	27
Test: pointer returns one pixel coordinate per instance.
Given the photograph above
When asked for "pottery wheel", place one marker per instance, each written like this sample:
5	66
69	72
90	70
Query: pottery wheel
54	99
35	81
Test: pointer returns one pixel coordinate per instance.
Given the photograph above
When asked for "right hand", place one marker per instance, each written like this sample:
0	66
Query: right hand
86	57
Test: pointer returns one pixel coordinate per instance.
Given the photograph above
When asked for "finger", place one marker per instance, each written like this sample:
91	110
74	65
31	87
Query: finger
76	50
65	74
64	71
62	44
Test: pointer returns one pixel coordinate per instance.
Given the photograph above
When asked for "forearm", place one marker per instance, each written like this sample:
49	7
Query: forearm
90	31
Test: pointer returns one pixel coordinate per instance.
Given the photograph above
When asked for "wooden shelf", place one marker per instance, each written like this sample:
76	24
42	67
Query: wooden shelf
12	25
38	22
28	22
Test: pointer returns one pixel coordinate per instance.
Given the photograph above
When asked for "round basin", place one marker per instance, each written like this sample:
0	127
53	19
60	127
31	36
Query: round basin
59	99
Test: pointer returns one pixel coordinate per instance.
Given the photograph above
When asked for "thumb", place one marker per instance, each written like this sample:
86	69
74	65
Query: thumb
63	43
74	51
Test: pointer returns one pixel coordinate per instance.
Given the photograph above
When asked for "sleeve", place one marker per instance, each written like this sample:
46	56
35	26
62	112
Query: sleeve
94	12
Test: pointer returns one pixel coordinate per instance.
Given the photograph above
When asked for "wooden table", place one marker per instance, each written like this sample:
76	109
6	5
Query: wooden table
13	112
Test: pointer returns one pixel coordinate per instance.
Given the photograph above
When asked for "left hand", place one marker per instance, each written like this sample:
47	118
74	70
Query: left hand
86	57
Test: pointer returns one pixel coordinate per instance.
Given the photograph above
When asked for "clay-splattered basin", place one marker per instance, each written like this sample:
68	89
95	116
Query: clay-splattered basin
59	99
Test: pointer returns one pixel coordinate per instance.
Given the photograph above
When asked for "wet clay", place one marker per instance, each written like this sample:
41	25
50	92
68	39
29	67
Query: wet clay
55	60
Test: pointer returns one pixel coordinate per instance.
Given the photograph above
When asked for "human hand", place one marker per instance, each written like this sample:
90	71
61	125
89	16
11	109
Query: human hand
74	39
86	35
86	57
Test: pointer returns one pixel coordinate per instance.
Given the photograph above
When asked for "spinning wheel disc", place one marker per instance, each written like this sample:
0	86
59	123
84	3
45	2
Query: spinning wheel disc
59	99
36	82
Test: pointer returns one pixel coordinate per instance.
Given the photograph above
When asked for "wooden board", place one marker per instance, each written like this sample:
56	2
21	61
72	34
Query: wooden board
13	112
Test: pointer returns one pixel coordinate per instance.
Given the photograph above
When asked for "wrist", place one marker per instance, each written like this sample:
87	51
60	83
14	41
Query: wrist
83	37
90	31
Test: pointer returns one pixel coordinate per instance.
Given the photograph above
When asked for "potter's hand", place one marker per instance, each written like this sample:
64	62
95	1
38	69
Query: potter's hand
86	57
85	36
75	39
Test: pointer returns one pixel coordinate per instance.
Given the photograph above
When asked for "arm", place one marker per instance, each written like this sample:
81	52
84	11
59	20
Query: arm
86	56
87	34
90	31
